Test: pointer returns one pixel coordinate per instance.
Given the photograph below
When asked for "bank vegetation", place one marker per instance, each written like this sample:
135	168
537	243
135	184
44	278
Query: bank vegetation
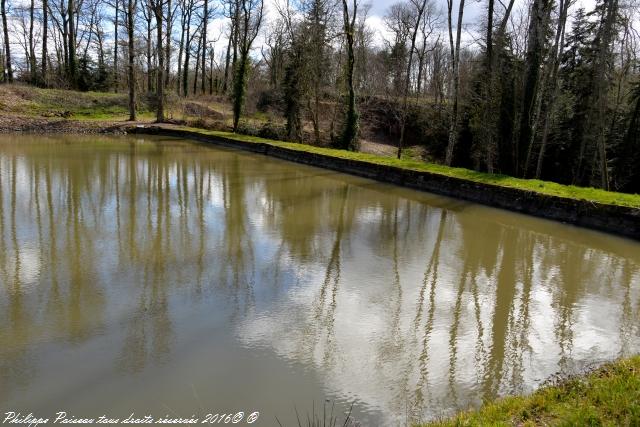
607	396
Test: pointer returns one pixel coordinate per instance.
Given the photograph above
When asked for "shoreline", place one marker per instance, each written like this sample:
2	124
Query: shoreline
608	394
615	219
612	218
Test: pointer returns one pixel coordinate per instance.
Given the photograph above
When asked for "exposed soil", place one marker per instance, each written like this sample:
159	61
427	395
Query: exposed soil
41	125
377	148
201	110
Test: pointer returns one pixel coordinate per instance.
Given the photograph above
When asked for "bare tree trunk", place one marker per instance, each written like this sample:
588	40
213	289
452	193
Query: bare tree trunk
61	53
608	34
188	37
455	56
553	81
131	10
167	56
225	83
537	36
419	77
204	41
195	77
45	23
149	65
185	68
488	92
7	49
65	37
73	64
100	51
181	49
32	47
115	47
211	56
405	94
159	14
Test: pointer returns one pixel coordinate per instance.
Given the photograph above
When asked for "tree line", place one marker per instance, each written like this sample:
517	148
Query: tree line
544	89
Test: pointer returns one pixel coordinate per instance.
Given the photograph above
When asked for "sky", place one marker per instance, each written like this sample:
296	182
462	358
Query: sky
375	20
473	12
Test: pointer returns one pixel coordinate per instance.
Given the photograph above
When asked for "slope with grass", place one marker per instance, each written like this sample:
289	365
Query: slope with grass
26	100
608	396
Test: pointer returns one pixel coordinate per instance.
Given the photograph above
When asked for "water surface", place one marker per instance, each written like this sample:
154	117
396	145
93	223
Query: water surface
164	277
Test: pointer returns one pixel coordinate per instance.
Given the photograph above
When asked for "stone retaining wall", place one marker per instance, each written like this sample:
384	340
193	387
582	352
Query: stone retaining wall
620	220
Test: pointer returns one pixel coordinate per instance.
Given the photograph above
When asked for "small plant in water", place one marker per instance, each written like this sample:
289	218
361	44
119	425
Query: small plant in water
324	419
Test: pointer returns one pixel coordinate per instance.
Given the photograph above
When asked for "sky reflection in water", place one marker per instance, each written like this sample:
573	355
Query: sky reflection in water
165	277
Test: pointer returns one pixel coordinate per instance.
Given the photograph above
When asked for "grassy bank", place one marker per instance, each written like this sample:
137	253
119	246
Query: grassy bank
543	187
32	101
608	396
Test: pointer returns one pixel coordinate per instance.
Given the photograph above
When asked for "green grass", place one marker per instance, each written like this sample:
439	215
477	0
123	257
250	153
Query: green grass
114	116
542	187
412	153
608	396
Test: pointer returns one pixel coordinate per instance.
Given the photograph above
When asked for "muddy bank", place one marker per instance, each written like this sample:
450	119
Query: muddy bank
58	125
619	220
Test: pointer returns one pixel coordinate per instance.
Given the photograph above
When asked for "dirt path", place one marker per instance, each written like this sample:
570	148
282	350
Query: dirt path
377	148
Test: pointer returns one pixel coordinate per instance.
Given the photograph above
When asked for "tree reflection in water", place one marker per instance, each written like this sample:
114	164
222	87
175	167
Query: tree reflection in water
182	255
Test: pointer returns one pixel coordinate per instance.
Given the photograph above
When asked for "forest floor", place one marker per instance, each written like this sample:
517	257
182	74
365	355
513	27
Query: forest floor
606	396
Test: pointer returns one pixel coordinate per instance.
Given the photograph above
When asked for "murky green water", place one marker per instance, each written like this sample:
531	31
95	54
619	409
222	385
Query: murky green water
167	278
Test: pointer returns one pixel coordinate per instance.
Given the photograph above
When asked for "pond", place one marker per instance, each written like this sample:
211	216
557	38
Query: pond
162	277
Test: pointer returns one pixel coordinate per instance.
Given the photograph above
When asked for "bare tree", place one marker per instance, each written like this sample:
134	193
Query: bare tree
171	13
274	54
205	20
455	60
116	27
189	8
32	45
419	12
131	11
7	48
232	39
45	29
607	33
71	41
537	39
158	10
147	14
